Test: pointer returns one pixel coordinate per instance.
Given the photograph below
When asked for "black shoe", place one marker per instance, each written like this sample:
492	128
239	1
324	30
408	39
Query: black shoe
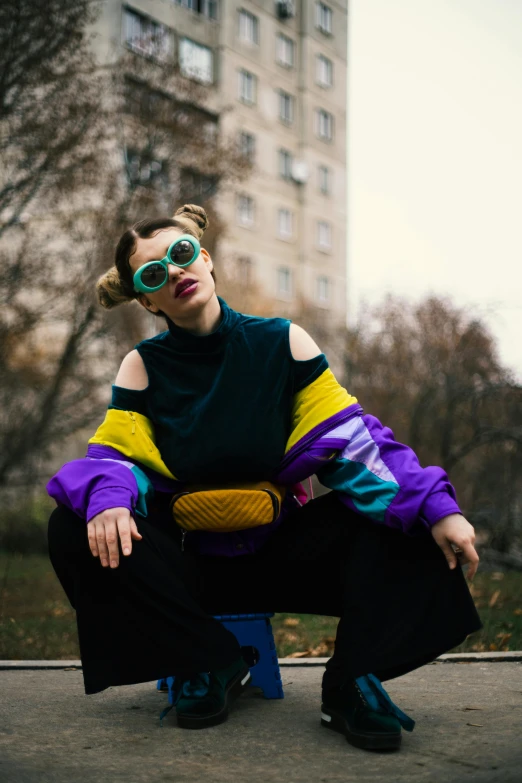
365	714
204	699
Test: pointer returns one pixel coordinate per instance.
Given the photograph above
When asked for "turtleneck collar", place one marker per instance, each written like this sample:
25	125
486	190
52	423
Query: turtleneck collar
187	342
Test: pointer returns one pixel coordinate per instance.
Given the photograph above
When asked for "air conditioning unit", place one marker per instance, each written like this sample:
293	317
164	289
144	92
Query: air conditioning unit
300	171
285	9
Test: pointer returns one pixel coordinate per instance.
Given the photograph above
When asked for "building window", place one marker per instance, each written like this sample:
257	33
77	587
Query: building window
247	146
324	71
285	164
284	282
323	290
323	18
142	101
324	235
143	169
196	187
245	211
247	87
325	180
208	8
324	125
245	269
284	224
286	107
248	27
196	61
285	50
145	36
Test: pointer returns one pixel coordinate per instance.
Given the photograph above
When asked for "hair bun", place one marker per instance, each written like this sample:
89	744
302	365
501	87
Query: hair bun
110	289
195	213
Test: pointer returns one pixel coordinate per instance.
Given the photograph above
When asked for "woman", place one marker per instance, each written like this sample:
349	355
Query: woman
226	414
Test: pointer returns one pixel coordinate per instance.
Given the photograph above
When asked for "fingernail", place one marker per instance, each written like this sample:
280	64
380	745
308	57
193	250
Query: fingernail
104	563
126	551
113	563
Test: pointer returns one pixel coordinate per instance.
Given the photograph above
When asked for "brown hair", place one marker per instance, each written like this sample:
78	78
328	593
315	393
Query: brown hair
116	286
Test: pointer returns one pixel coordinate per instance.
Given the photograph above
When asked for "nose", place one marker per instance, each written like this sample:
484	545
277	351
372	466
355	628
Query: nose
173	270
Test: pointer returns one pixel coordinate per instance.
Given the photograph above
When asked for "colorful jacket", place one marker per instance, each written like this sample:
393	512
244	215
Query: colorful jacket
349	452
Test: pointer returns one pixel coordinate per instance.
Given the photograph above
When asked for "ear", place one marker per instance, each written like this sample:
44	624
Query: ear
147	304
207	259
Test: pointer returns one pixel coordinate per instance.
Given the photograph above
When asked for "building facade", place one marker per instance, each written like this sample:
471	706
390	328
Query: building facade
278	71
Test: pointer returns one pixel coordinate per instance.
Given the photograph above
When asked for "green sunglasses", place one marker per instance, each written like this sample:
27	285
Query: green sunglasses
153	275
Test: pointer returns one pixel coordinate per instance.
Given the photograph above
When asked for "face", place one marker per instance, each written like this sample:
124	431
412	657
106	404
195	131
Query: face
187	290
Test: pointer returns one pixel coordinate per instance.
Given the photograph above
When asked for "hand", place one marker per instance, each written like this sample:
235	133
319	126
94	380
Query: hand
103	530
456	538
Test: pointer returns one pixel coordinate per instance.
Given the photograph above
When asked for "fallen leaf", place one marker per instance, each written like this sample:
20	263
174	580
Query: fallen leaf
301	654
493	647
497	576
518	612
479	725
494	598
321	651
291	622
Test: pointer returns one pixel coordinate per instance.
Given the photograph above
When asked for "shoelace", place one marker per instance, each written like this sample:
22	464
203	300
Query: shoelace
194	687
379	701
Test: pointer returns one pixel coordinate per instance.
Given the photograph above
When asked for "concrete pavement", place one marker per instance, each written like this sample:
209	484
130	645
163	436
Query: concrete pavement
469	728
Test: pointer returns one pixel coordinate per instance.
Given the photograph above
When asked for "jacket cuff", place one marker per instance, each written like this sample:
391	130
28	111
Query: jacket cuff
438	505
109	497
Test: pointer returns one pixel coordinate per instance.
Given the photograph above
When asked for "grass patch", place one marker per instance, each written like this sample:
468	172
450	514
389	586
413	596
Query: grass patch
36	619
37	622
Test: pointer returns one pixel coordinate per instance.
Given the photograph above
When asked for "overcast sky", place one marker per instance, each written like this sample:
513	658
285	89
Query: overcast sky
435	156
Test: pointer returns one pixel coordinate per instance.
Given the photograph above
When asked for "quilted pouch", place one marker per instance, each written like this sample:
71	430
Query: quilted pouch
223	509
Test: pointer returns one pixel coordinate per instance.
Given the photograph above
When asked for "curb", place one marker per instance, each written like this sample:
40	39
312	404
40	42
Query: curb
514	656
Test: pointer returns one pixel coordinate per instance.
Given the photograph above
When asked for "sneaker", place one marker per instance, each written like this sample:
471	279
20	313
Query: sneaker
203	699
365	714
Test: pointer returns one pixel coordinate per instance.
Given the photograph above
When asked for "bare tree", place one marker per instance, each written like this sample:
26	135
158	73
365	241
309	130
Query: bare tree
90	150
432	373
51	115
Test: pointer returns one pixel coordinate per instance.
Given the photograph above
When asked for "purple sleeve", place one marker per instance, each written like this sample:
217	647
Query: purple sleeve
382	479
90	486
425	494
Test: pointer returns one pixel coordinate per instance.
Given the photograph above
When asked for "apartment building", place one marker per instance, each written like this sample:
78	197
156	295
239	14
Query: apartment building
278	72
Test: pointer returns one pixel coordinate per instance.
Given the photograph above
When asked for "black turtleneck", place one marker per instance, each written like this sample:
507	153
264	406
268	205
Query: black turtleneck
221	403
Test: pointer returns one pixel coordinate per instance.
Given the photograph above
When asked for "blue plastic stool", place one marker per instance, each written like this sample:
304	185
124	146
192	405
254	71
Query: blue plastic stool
254	631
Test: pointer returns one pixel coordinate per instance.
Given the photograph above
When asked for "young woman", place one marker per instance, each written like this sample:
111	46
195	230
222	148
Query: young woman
188	504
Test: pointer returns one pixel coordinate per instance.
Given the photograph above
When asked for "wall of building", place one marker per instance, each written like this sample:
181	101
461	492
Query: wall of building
260	242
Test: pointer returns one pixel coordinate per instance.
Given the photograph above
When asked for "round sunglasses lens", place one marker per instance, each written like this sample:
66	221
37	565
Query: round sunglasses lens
182	252
154	275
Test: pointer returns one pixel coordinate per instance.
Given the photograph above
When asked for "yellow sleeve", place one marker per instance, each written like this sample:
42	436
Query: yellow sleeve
132	434
317	402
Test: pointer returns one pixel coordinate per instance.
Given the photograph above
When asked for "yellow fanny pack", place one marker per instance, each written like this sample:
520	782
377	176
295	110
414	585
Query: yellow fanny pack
223	509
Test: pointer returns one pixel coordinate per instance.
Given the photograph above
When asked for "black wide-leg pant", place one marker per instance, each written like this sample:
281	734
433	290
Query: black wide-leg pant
399	604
